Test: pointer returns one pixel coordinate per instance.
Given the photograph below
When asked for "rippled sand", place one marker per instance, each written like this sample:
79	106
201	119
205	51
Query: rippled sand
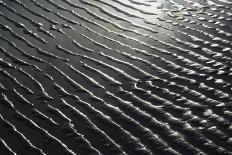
115	77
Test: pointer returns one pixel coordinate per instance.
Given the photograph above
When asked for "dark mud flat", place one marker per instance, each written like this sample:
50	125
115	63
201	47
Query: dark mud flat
115	77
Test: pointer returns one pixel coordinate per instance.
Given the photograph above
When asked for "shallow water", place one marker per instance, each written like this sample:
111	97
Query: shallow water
115	77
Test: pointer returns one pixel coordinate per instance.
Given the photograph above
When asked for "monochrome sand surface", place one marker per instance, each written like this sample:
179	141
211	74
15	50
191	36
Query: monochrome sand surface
115	77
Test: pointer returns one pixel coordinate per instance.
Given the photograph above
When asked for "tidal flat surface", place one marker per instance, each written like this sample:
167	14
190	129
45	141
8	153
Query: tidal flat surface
115	77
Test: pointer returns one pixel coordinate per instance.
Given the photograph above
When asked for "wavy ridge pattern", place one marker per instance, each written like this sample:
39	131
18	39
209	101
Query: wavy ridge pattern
115	77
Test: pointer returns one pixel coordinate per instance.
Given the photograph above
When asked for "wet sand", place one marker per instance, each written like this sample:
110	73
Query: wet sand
115	77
